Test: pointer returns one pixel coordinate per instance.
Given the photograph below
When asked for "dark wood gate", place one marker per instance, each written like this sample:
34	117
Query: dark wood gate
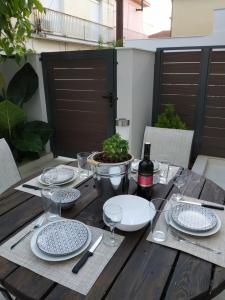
80	89
193	79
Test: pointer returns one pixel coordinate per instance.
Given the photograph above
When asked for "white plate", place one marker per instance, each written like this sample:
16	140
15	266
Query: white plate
135	164
37	252
207	233
136	212
62	183
63	174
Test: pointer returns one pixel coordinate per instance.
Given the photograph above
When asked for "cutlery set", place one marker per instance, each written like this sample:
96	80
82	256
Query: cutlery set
79	239
193	219
220	207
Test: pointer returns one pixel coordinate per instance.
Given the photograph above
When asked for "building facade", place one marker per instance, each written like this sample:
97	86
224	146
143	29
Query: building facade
193	17
73	25
79	25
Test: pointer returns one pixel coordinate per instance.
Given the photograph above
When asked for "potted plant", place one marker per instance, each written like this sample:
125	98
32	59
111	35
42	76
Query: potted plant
112	166
169	119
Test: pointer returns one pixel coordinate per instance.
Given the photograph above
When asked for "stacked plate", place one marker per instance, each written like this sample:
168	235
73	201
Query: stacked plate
64	175
60	240
193	220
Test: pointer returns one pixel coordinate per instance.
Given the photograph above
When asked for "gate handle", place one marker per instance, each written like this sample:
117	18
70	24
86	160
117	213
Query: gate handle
111	99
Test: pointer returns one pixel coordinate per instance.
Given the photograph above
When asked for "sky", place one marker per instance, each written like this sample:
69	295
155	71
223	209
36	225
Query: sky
157	16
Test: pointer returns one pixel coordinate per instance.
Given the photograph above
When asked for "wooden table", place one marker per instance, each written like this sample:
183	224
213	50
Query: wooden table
138	270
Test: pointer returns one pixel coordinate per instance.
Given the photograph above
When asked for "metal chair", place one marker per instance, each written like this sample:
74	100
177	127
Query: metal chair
9	173
174	144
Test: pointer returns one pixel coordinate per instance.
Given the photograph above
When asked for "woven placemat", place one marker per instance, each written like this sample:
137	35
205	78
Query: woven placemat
216	241
35	182
61	272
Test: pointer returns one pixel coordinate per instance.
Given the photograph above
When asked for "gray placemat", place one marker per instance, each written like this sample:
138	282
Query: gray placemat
61	272
35	182
216	241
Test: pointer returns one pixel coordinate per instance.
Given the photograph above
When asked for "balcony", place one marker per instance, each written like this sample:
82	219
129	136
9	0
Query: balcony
63	25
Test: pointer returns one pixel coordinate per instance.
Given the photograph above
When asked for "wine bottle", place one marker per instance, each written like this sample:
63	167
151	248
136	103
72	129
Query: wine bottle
145	174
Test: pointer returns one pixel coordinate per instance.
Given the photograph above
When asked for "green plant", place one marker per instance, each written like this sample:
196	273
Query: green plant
100	42
26	139
15	26
115	148
169	119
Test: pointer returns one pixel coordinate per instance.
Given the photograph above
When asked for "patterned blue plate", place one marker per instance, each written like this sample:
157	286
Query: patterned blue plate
62	237
193	217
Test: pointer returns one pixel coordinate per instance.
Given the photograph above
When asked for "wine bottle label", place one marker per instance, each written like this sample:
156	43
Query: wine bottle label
145	181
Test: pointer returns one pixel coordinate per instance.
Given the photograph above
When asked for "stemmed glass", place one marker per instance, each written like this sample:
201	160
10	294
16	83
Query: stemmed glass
180	182
112	215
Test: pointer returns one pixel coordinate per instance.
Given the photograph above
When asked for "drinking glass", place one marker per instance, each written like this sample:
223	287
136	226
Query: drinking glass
83	164
112	215
180	182
159	228
163	171
52	208
50	175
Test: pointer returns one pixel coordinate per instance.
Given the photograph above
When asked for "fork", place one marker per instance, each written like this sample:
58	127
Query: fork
180	238
37	225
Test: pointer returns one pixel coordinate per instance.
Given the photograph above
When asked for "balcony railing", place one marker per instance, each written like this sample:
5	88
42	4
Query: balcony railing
64	25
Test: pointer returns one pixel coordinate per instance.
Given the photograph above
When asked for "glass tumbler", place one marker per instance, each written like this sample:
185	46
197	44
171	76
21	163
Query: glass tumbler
83	165
163	171
52	208
159	227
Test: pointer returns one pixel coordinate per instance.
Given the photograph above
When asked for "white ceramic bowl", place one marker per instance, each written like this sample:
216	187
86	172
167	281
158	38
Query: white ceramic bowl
136	212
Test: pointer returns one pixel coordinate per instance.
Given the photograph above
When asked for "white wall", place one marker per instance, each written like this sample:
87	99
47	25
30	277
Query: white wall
135	76
216	38
36	107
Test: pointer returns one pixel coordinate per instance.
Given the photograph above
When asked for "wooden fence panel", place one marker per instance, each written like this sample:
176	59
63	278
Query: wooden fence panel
193	79
213	135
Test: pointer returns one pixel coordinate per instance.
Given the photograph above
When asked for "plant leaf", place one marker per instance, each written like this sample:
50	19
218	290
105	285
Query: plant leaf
23	85
10	115
40	128
28	142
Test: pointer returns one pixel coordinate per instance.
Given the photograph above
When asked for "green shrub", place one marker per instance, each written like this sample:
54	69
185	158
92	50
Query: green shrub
169	119
26	139
116	148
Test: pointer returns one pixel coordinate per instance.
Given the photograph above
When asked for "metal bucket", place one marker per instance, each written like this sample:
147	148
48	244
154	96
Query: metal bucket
111	178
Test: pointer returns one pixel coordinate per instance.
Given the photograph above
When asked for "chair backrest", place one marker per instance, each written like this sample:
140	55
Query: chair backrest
9	173
174	144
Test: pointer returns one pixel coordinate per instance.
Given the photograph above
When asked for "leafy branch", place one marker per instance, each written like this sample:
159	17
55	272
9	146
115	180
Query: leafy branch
15	26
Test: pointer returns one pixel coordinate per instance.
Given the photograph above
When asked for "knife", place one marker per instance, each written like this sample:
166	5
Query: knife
86	255
33	187
203	204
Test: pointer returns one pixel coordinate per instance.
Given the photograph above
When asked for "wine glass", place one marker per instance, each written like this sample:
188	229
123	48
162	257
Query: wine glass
112	215
180	182
49	175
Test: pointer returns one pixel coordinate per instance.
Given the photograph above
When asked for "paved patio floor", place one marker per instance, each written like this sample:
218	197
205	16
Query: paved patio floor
45	161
